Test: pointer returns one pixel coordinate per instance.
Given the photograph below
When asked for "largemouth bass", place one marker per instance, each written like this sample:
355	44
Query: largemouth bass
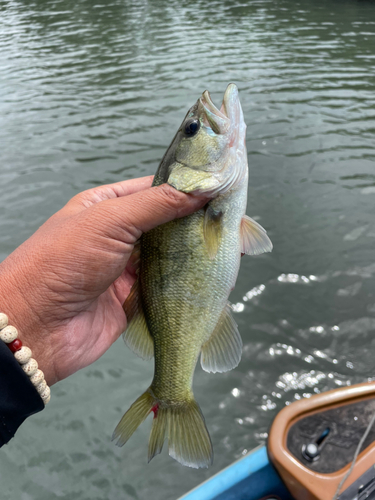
178	308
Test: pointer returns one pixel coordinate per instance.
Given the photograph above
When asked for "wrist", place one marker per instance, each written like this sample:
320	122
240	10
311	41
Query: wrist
18	303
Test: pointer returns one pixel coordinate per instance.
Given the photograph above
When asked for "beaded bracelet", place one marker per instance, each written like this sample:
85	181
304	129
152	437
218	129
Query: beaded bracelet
9	334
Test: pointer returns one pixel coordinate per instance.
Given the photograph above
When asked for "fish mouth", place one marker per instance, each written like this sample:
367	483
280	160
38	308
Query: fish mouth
229	116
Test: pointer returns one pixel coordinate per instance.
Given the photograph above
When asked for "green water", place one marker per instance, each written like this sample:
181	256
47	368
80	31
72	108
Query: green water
92	93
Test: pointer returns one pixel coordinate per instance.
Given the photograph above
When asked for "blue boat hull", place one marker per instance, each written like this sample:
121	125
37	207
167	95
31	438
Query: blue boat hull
252	477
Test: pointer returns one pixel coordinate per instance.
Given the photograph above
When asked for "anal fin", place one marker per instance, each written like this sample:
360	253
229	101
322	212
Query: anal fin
137	335
222	351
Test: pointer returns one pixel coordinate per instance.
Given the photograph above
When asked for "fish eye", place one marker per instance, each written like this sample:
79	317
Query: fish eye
192	126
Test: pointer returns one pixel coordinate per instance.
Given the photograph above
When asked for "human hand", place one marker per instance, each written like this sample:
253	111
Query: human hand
64	287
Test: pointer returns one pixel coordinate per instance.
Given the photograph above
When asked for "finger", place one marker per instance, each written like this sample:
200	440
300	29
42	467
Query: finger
95	195
142	211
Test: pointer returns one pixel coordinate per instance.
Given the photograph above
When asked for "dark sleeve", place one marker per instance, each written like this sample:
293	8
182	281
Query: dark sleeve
18	397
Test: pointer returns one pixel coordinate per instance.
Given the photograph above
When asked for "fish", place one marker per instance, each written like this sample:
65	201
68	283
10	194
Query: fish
178	307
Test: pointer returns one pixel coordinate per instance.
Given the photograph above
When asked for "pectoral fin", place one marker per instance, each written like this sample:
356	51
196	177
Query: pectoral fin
222	352
189	180
137	335
254	239
212	230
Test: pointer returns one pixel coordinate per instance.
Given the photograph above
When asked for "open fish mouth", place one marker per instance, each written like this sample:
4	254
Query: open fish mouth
215	159
229	119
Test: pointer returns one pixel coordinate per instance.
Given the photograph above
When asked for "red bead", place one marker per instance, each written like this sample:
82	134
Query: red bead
15	345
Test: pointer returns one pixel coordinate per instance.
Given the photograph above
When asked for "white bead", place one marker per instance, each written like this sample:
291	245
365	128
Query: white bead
23	355
41	387
8	334
37	378
47	400
3	320
30	367
46	393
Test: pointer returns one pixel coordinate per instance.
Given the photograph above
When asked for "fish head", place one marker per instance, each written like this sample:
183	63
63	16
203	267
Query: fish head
208	153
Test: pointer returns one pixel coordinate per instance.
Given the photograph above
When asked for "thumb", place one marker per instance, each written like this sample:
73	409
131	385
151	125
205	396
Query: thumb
144	210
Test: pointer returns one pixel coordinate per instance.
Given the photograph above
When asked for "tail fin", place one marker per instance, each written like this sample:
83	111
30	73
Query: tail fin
188	439
183	424
133	418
